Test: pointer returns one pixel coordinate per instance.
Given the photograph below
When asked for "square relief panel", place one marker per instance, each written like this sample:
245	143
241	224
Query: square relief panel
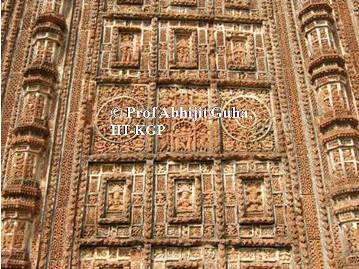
241	52
114	201
184	48
189	258
255	199
126	47
254	205
184	200
254	131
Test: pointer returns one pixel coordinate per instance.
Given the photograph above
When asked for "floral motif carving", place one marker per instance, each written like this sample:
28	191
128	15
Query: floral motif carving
120	97
254	128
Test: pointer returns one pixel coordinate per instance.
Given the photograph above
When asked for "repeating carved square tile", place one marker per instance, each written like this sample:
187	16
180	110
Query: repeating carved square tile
111	208
113	265
185	257
182	188
131	2
260	258
184	264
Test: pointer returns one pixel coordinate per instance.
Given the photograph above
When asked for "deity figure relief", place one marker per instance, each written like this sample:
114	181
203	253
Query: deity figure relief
182	49
254	197
126	48
115	200
183	137
184	197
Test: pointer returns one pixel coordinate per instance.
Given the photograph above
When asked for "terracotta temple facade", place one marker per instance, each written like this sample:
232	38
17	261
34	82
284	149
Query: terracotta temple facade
276	190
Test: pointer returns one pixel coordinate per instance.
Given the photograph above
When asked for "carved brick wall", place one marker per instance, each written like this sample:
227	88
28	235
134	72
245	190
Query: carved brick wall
277	189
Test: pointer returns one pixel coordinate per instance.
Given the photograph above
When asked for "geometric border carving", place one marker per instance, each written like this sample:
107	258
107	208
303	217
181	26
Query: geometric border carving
113	265
130	2
124	217
184	264
192	217
237	4
185	3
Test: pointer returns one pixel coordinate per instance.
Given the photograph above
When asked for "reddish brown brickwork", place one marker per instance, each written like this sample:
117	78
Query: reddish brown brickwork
277	190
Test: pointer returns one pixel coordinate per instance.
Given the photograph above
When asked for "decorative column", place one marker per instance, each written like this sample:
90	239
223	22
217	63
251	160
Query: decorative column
26	168
337	122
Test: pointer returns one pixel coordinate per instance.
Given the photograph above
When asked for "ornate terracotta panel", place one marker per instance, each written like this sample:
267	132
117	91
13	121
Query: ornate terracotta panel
276	187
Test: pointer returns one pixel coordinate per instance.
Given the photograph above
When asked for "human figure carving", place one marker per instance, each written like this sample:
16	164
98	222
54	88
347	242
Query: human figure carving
184	194
183	54
115	201
254	199
126	48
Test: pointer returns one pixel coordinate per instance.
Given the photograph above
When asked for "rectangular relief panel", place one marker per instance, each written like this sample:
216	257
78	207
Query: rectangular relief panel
240	51
135	6
184	202
185	257
188	7
254	130
183	50
185	134
250	8
114	201
125	51
254	205
258	258
111	258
